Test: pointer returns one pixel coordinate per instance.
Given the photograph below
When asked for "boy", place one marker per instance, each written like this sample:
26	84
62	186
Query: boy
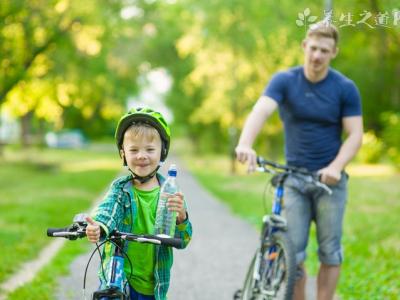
143	139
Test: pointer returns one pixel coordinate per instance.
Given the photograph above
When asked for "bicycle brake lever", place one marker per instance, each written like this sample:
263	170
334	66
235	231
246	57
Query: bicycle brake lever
323	186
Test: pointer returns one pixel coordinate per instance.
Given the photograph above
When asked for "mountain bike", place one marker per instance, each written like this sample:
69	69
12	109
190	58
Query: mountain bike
272	271
116	283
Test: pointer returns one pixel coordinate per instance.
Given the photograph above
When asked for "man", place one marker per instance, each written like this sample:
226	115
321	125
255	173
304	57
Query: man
316	104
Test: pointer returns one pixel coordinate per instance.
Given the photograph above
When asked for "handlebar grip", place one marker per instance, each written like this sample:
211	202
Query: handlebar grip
51	231
170	242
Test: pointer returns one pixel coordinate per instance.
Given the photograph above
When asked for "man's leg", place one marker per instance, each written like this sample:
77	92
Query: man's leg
327	279
300	285
329	220
297	212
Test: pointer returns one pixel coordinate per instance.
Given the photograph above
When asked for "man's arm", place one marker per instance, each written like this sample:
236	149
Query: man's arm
263	108
353	127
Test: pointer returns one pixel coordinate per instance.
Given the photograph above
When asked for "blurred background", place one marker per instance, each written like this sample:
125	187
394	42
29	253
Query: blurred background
69	69
78	65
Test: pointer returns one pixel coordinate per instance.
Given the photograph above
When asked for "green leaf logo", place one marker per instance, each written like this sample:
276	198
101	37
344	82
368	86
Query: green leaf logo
305	18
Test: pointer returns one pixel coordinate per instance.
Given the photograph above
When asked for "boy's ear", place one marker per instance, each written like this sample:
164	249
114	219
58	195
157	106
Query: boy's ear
122	154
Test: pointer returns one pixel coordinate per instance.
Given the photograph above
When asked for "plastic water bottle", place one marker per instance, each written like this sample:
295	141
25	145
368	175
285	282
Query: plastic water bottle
165	219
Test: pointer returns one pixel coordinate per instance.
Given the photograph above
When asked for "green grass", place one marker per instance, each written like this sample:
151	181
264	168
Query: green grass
44	285
371	240
41	188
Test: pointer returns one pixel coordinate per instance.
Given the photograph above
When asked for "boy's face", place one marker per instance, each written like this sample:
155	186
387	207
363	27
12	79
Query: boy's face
142	152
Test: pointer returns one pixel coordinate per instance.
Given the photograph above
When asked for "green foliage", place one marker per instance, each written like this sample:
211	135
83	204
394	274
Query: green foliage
371	150
391	135
66	62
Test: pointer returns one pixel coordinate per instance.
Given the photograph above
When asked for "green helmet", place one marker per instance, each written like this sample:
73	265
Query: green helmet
148	116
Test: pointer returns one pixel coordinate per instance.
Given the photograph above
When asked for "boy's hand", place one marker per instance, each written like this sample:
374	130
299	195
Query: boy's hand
176	203
92	230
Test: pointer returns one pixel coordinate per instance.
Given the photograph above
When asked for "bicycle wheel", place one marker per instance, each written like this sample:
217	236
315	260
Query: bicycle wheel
250	283
278	270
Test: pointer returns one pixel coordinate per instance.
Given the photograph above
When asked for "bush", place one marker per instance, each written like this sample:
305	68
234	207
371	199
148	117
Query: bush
391	135
372	148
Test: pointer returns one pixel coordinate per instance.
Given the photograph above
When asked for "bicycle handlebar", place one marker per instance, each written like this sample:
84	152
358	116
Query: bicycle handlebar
53	231
263	162
71	232
78	230
312	177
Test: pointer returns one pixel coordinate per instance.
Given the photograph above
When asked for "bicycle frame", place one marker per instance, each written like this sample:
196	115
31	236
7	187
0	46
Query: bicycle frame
272	272
271	224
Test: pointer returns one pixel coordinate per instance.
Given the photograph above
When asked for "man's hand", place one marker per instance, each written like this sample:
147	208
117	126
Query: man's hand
330	175
176	203
247	154
92	230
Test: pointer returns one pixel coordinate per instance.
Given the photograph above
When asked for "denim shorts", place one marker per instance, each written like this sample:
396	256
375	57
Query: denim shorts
304	203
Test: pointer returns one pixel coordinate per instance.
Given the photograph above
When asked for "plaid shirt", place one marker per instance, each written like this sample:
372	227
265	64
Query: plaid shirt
117	212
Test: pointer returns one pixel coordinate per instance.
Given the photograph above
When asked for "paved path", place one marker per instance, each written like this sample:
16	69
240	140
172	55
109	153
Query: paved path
214	264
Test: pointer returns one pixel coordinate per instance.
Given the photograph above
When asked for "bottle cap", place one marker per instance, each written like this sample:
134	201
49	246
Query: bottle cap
172	170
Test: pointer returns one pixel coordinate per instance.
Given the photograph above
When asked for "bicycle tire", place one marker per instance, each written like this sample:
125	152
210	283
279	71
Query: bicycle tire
249	282
277	281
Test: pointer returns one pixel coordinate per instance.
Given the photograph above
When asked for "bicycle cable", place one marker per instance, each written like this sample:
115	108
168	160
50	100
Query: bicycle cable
264	199
97	249
88	263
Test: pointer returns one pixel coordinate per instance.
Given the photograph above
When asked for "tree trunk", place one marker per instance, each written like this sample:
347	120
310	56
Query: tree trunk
26	128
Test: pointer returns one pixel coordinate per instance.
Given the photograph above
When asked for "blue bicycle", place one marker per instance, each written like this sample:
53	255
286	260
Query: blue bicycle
272	271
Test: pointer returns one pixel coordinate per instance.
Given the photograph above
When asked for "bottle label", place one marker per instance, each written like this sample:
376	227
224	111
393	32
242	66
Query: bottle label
165	219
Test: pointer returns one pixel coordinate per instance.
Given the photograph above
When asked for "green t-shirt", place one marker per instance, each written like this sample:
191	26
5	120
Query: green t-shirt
142	255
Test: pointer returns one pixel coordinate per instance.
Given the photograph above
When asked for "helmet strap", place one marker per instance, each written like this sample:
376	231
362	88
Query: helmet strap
144	179
141	179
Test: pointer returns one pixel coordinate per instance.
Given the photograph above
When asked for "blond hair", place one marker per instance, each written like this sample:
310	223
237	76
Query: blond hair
141	131
323	29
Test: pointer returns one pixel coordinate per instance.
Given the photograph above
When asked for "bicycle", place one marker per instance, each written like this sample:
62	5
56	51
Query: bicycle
272	271
116	284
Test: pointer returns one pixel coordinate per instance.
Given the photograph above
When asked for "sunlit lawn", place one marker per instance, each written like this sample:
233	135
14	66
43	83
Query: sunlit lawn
371	236
41	188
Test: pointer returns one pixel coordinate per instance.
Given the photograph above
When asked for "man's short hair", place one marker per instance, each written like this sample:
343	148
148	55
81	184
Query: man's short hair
323	29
